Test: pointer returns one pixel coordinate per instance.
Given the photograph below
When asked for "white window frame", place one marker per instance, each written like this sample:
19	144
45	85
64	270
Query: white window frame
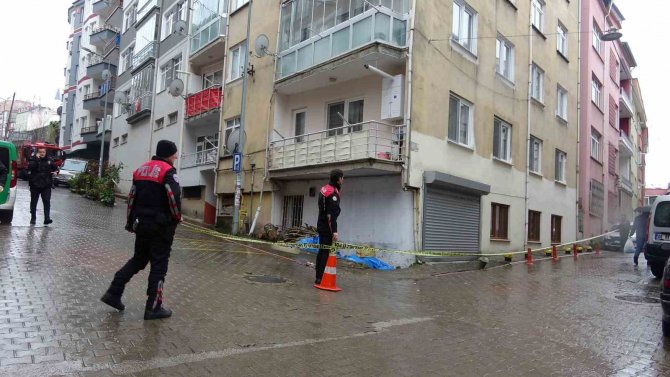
208	79
127	58
562	39
231	125
535	155
177	12
159	124
237	4
502	45
469	143
561	103
538	14
561	162
504	146
460	9
596	146
537	87
596	40
596	92
238	61
129	16
168	71
170	117
298	137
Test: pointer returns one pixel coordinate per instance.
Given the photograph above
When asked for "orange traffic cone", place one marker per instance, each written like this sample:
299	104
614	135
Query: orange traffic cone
328	281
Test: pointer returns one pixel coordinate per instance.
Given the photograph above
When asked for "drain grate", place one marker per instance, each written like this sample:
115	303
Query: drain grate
638	299
265	279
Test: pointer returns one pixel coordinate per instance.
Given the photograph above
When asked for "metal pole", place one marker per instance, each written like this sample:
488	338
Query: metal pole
9	117
104	122
243	116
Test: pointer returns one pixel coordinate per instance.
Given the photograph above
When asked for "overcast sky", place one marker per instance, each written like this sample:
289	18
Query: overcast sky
35	31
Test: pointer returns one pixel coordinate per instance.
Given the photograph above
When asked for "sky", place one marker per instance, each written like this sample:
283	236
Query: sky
34	57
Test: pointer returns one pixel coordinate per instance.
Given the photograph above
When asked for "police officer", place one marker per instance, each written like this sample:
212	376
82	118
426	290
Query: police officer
329	210
42	169
154	211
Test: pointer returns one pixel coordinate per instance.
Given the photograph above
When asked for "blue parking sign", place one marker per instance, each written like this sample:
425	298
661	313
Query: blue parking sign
237	162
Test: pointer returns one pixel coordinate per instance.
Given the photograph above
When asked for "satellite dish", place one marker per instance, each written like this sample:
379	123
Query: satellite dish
106	74
235	140
176	88
180	27
261	45
120	97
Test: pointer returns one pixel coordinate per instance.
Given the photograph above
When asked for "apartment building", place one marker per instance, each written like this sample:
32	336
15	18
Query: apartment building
87	97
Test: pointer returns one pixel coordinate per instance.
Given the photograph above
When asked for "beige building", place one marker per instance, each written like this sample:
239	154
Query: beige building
455	122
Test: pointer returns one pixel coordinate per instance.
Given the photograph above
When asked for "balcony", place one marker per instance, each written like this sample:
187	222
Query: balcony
208	43
101	35
89	130
368	148
147	53
97	65
95	102
308	60
139	108
625	105
625	184
625	145
205	159
204	107
105	8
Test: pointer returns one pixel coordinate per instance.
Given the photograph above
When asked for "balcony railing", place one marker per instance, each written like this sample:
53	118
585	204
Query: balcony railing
203	102
625	183
205	157
362	141
106	27
89	130
148	52
139	104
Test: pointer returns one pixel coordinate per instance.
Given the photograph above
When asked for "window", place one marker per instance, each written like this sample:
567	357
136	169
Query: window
124	138
206	148
168	72
130	16
127	59
499	221
460	121
173	118
502	140
595	39
560	163
535	155
505	58
562	103
464	28
614	67
84	122
212	79
534	226
292	214
352	109
562	39
231	125
299	122
159	124
237	57
596	145
596	92
556	229
538	14
538	83
191	192
237	4
171	17
116	142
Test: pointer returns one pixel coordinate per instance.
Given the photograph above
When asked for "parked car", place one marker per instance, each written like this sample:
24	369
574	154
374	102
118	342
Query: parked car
70	168
665	299
8	195
657	249
612	241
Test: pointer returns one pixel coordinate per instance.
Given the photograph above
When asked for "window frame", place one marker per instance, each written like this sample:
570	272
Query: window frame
470	126
596	140
499	222
237	4
534	226
500	124
537	6
561	106
556	234
502	44
597	90
535	86
170	116
231	125
168	71
531	155
562	36
560	166
596	35
159	124
241	48
470	43
299	136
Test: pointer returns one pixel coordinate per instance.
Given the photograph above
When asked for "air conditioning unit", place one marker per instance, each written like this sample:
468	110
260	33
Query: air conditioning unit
393	94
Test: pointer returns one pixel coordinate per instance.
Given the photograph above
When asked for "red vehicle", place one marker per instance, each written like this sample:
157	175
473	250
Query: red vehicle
26	149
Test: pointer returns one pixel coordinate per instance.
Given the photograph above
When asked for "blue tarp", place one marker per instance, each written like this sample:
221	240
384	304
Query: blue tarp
371	262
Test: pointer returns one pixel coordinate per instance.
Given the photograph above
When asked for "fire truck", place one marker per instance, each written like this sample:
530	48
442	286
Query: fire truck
26	149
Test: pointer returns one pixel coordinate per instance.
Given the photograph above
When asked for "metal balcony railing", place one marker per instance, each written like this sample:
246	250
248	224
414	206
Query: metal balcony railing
203	101
140	103
93	95
105	27
362	141
89	130
205	157
148	52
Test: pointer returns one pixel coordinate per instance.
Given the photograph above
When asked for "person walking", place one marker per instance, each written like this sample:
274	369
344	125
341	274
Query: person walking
624	231
42	169
329	211
640	226
154	211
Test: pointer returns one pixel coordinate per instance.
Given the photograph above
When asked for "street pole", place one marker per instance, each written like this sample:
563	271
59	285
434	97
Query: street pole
243	119
104	123
9	117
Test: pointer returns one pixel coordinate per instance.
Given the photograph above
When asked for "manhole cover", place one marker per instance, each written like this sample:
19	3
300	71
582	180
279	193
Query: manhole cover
265	279
638	299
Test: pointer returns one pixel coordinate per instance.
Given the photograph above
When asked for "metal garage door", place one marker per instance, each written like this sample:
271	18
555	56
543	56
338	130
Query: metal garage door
451	220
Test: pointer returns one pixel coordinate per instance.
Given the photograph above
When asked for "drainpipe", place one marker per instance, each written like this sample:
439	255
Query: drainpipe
408	134
528	111
579	111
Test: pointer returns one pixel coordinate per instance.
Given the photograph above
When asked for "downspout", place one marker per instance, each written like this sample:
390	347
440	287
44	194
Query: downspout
408	134
579	111
528	111
223	90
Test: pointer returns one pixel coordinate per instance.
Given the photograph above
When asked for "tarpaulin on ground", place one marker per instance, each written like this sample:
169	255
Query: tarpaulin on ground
370	262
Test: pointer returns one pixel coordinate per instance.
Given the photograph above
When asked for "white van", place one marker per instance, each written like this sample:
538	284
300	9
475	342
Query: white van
657	249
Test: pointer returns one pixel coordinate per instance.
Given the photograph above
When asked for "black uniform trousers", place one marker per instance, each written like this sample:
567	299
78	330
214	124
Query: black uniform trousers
326	239
151	246
35	194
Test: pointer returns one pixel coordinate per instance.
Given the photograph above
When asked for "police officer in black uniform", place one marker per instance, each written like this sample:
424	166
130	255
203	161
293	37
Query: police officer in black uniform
329	210
154	211
42	169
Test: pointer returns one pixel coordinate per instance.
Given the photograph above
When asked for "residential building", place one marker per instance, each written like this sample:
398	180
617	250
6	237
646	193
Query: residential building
443	143
5	107
34	117
88	96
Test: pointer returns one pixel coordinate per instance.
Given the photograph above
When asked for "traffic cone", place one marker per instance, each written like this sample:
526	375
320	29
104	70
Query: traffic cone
597	248
529	257
328	281
554	256
574	251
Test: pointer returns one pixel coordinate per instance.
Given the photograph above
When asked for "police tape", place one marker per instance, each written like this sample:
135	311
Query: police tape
369	250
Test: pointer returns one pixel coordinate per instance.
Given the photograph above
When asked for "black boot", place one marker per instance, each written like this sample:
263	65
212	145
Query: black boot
113	301
159	313
33	220
47	221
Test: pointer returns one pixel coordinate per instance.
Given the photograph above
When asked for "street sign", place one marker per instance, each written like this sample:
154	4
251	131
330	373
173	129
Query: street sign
237	162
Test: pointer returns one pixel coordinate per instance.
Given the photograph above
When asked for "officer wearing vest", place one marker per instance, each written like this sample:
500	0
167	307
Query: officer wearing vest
326	226
154	210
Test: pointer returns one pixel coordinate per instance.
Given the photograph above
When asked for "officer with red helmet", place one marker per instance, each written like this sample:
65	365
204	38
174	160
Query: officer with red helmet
154	211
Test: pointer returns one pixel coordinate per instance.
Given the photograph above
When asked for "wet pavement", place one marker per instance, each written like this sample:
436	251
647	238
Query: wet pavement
249	311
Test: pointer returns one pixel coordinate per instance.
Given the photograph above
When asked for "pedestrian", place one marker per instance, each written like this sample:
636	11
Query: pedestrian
42	169
624	231
640	226
3	176
154	211
329	210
